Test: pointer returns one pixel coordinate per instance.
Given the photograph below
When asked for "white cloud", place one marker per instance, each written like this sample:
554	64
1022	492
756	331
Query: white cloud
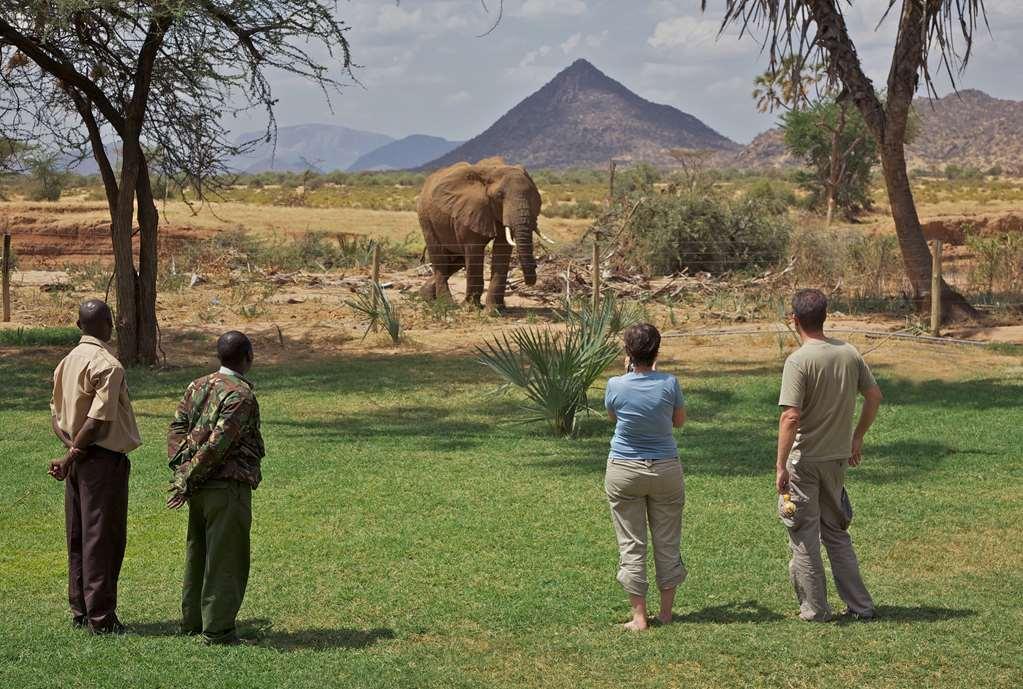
532	56
593	40
393	19
458	98
699	36
546	8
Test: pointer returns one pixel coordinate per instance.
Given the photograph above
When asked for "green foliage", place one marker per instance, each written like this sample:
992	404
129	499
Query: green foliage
963	172
637	180
998	261
555	370
38	337
773	196
668	234
810	134
374	304
48	179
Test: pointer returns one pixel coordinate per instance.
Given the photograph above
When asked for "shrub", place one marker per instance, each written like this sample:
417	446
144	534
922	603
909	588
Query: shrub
48	180
374	304
555	370
668	234
39	337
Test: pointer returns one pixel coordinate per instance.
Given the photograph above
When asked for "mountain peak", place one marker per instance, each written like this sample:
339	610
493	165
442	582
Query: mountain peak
582	117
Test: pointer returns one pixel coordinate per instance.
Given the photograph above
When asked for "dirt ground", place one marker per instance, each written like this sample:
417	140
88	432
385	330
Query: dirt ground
306	315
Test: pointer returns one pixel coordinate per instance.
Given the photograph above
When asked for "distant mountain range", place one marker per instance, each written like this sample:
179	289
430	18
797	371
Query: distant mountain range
969	128
323	147
410	152
582	118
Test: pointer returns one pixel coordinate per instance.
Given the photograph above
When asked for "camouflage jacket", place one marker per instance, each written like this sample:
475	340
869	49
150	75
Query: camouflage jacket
215	434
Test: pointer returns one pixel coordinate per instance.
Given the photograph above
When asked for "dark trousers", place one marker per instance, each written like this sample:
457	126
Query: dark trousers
96	518
216	559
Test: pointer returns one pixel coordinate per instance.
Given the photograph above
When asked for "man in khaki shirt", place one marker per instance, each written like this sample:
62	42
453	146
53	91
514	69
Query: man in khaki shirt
816	442
92	416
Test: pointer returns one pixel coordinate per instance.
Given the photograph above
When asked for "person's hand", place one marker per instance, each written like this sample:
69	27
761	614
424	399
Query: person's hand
857	451
176	500
781	480
58	468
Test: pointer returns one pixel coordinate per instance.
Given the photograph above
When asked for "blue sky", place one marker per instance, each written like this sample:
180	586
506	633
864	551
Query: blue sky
424	70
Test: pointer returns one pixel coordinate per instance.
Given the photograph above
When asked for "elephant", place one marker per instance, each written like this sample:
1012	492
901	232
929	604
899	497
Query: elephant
464	207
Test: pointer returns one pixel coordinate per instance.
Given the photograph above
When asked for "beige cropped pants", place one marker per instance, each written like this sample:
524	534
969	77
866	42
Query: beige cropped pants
823	515
646	493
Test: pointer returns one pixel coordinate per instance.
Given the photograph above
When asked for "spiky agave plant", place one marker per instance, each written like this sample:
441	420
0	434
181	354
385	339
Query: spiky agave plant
374	304
555	370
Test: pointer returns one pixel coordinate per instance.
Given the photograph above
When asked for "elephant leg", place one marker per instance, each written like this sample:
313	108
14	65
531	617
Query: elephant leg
474	273
500	260
446	265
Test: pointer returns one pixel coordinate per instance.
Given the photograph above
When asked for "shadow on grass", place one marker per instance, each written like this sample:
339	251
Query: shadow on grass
912	614
260	632
731	613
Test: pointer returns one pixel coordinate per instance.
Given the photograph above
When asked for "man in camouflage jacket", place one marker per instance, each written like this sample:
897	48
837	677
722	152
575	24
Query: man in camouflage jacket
215	450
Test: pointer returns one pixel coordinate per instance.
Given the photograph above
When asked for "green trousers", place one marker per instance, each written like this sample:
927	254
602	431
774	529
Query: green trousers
216	559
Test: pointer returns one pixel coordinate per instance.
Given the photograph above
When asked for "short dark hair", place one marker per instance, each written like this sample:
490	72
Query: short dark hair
810	306
233	348
642	342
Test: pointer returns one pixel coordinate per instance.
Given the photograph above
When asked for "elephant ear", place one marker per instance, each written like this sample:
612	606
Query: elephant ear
462	194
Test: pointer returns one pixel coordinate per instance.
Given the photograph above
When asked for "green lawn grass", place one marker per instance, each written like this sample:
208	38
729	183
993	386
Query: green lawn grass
407	535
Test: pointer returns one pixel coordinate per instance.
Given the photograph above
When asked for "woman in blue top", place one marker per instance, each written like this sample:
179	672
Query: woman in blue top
644	476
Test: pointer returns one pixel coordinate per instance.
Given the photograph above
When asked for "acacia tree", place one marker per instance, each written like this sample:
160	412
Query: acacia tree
154	75
815	31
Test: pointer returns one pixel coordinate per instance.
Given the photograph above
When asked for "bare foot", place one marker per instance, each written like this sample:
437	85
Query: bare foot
665	620
637	625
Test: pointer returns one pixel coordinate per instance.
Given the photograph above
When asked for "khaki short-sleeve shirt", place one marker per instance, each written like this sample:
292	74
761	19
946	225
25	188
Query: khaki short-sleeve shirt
821	379
89	383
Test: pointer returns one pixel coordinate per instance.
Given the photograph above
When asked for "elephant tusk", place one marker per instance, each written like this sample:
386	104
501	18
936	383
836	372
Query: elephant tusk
508	235
543	237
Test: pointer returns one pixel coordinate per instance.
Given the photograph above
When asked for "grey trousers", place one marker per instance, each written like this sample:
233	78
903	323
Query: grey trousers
647	493
823	515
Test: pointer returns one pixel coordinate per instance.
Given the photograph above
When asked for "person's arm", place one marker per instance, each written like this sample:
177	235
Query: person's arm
62	436
232	416
788	425
678	417
609	398
793	386
871	402
179	425
90	430
106	389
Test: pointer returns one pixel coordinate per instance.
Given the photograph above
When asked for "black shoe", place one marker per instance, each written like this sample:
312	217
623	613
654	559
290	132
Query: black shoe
114	627
79	622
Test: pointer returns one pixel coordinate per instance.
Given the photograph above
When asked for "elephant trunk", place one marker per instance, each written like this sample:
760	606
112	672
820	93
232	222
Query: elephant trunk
522	225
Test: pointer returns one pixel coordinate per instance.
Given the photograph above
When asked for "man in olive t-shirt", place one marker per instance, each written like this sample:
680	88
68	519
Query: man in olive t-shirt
816	441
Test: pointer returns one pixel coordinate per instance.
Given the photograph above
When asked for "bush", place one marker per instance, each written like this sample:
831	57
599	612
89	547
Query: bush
555	370
48	180
668	234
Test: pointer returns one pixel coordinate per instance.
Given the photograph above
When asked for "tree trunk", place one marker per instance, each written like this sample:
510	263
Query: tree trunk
127	290
916	257
149	220
888	125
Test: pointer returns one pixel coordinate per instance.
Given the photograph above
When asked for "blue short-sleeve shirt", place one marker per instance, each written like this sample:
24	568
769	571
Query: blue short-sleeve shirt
643	403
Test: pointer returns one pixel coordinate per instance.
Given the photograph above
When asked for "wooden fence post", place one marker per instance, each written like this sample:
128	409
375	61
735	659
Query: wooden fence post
596	272
936	288
7	277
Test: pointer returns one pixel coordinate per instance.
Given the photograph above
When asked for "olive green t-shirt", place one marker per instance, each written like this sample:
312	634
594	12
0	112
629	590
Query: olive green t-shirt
822	378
